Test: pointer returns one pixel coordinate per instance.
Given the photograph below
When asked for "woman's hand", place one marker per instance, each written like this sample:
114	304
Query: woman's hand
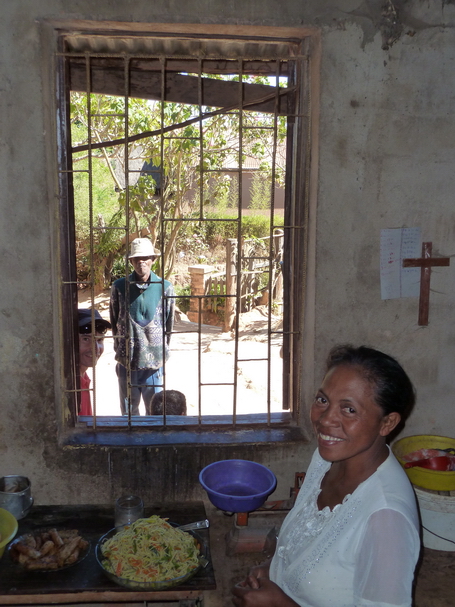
264	593
259	571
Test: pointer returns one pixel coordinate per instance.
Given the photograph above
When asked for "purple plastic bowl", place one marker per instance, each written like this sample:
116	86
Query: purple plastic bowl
237	485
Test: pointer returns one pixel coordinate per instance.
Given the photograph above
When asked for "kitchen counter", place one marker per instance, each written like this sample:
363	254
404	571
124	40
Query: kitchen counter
85	581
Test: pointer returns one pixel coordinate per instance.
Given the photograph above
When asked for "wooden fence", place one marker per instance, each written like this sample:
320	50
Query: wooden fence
260	276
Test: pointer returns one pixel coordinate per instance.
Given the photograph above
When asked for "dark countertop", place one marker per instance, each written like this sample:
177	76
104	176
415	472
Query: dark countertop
86	579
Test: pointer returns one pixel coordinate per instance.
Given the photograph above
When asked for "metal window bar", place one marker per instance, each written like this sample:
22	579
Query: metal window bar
239	250
201	215
162	222
90	214
239	236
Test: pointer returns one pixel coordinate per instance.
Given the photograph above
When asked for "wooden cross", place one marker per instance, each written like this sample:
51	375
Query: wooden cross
425	264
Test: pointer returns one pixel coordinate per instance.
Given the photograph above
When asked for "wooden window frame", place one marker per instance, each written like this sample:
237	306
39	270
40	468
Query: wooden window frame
301	145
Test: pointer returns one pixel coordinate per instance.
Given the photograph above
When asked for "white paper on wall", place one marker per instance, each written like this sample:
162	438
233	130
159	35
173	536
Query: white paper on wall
398	244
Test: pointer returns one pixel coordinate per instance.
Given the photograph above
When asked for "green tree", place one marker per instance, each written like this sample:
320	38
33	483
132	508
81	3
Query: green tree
188	153
260	191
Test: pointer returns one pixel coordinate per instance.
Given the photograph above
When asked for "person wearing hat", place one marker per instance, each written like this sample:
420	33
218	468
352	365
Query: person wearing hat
86	351
145	313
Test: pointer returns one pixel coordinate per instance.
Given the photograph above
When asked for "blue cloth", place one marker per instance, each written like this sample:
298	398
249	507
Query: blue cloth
145	382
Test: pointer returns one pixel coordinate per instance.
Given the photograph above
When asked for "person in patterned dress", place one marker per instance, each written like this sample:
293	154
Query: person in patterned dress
142	316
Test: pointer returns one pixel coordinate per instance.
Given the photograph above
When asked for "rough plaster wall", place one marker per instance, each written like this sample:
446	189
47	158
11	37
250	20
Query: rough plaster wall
26	346
386	160
389	165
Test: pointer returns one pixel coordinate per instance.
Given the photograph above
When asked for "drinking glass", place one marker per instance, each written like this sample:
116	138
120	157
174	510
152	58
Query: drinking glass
128	508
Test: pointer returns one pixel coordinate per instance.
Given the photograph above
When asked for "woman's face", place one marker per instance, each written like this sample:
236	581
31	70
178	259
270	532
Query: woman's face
346	418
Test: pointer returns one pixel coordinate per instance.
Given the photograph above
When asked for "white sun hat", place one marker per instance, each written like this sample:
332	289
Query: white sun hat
142	247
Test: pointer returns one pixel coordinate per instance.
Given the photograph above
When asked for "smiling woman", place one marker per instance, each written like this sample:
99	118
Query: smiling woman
352	537
364	396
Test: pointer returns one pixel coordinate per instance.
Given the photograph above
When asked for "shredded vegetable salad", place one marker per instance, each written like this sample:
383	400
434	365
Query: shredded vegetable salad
150	549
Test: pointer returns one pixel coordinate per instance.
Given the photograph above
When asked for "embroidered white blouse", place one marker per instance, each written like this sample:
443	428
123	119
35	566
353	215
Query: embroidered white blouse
360	554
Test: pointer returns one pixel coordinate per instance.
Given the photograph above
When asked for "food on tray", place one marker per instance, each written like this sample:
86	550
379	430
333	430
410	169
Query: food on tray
49	549
150	549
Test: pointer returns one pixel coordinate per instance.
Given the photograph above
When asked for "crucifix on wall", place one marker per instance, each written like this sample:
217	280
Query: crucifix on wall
425	263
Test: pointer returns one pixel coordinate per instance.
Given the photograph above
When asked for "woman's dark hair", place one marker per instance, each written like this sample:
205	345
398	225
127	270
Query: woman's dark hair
393	388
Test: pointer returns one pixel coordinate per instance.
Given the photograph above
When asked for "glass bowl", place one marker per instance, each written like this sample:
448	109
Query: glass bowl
149	585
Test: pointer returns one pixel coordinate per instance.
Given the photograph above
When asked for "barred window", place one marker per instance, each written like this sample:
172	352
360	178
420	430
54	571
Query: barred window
200	145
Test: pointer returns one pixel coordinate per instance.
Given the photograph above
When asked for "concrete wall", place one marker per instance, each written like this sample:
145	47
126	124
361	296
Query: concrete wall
386	159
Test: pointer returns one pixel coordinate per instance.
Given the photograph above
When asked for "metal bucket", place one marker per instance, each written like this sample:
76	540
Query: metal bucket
15	495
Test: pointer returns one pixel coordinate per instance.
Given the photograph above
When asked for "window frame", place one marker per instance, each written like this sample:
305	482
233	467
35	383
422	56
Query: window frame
279	426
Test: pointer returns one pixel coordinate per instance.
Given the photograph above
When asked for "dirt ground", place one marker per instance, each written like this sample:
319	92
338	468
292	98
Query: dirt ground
217	363
435	585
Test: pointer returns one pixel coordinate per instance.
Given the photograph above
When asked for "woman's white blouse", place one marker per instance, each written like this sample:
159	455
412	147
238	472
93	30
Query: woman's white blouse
360	554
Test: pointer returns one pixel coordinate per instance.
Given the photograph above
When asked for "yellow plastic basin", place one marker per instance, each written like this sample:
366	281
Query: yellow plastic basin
8	528
434	480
